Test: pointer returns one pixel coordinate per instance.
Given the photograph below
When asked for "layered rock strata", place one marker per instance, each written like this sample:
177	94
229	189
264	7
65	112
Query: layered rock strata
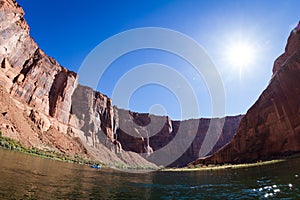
40	91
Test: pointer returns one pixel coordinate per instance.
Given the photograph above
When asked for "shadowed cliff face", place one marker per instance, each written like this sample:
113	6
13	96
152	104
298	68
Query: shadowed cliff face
271	127
228	130
94	114
143	133
145	139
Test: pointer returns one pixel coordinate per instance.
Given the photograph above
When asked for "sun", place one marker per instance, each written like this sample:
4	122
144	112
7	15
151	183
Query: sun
240	55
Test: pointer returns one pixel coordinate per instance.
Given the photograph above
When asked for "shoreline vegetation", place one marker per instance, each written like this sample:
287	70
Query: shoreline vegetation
10	144
212	167
224	166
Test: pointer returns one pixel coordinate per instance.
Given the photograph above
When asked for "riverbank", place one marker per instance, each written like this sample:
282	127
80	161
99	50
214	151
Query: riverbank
225	166
10	144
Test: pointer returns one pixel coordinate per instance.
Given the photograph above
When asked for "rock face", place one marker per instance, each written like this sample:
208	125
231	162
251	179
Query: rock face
29	74
36	100
43	83
150	136
271	127
96	120
32	128
229	128
94	114
28	87
149	139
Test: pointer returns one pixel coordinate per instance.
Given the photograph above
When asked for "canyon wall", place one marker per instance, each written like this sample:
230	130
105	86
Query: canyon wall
28	73
155	133
34	87
148	135
43	106
36	100
271	127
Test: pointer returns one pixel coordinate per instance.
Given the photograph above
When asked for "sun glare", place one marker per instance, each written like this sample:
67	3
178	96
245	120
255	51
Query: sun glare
240	55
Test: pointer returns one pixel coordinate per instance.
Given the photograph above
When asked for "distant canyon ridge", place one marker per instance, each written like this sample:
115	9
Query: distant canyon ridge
43	106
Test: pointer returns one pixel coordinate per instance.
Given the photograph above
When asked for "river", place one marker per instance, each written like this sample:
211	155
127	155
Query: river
25	176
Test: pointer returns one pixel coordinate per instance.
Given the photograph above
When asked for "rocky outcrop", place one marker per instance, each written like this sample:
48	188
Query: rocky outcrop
36	130
291	48
94	114
28	73
44	84
228	129
143	133
136	134
271	127
97	119
15	42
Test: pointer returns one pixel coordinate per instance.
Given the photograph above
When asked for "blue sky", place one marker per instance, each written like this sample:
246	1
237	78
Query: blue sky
70	30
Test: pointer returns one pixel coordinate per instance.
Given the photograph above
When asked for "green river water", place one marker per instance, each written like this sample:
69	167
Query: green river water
24	176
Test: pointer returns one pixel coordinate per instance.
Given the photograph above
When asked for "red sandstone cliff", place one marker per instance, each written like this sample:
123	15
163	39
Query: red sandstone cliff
29	74
36	95
121	130
163	131
28	80
271	127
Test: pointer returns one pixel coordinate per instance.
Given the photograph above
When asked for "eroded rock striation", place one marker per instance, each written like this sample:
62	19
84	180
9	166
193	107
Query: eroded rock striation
40	91
155	138
28	72
36	112
180	140
271	127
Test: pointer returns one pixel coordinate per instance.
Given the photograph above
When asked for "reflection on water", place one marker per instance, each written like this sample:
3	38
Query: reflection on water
26	177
